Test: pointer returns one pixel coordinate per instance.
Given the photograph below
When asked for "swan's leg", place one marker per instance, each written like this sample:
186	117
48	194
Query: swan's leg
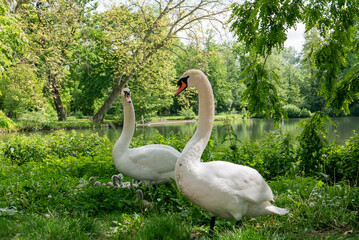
211	224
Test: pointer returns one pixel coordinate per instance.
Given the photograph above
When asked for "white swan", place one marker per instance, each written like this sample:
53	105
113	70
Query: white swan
152	164
225	189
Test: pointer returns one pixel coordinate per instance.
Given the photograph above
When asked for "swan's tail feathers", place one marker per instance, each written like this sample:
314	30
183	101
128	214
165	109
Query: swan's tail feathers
277	210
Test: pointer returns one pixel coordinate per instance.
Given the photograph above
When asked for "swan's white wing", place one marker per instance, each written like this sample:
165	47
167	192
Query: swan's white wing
158	158
240	180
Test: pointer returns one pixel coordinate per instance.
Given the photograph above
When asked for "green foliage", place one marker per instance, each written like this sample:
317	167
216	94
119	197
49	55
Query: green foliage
273	155
22	149
187	113
261	93
295	112
342	162
312	142
40	199
262	27
22	91
5	122
346	92
12	40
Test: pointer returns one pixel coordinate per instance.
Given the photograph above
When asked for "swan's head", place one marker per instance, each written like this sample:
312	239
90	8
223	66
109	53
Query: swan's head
126	94
190	78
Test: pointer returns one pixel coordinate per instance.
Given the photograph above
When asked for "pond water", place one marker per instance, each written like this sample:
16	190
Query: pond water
245	129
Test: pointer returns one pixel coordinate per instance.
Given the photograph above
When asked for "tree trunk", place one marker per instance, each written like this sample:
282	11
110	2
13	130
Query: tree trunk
61	113
98	117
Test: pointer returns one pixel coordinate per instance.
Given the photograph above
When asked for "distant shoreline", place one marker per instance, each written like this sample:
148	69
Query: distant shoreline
165	122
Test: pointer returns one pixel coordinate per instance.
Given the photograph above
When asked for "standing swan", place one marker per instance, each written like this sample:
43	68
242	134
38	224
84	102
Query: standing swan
225	189
153	164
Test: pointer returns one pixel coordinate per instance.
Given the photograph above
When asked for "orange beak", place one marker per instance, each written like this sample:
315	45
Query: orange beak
180	88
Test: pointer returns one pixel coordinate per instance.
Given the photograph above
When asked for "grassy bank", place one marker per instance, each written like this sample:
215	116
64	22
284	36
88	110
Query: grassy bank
218	117
40	196
73	123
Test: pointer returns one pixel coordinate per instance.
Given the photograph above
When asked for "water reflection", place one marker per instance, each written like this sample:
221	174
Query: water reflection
245	129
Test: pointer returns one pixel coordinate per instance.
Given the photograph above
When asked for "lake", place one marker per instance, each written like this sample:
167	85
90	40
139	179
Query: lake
245	129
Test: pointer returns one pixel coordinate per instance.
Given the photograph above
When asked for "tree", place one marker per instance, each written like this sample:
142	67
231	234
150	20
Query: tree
311	84
22	91
53	28
142	30
262	26
104	45
12	39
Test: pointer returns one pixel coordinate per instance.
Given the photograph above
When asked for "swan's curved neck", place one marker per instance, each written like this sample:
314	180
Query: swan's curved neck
195	147
128	127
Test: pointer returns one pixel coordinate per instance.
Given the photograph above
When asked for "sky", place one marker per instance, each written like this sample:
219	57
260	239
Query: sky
296	37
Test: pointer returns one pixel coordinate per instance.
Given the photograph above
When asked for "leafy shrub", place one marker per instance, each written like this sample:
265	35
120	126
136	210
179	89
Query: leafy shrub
342	162
312	143
22	149
295	112
5	122
79	114
273	155
187	113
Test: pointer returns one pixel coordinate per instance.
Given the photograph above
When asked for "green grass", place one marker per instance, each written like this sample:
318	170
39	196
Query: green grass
45	204
39	199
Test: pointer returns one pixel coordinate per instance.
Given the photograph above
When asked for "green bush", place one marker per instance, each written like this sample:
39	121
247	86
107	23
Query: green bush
295	112
342	162
187	113
22	149
5	122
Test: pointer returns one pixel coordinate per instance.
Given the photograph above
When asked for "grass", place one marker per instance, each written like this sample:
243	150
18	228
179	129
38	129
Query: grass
40	199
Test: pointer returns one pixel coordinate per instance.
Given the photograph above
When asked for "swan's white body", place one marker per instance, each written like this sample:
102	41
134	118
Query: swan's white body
225	189
152	164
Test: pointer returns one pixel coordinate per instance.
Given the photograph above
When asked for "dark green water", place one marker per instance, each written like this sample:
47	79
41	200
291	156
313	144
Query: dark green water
245	129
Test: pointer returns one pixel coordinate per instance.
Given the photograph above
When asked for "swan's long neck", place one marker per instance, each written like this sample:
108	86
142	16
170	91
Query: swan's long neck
128	128
195	147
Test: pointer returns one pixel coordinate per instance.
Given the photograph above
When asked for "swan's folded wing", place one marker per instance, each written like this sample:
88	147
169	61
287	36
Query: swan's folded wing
240	180
159	158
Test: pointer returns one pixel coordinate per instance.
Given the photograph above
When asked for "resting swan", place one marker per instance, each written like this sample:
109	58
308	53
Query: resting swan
225	189
153	164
